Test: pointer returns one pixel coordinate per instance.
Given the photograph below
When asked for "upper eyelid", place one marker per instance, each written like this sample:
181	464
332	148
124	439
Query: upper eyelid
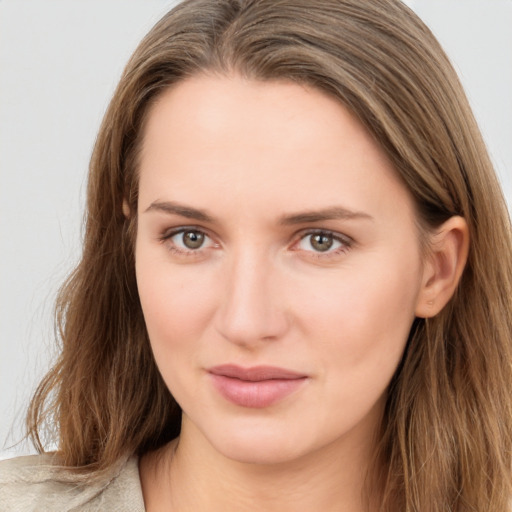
165	239
167	233
297	236
335	234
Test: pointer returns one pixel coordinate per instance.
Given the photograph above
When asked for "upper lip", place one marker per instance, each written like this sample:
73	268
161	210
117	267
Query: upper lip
255	373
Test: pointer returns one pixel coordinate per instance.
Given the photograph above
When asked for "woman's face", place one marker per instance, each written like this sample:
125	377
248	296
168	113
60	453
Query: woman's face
278	266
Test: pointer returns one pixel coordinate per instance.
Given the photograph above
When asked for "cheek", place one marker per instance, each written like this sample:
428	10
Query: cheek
176	307
358	331
360	318
173	301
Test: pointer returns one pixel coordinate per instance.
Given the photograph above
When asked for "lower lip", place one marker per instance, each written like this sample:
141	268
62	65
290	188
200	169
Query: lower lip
255	394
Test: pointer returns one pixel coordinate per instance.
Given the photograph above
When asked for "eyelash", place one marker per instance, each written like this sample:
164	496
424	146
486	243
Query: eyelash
345	242
166	237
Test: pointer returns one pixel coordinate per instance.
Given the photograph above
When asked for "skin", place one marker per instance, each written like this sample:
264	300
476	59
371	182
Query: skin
254	157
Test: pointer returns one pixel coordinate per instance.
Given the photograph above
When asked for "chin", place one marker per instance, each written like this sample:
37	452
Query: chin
266	452
258	443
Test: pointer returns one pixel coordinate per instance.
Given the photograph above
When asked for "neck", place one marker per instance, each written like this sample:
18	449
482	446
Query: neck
189	474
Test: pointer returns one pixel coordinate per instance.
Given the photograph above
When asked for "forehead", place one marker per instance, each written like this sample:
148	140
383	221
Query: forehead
208	107
228	140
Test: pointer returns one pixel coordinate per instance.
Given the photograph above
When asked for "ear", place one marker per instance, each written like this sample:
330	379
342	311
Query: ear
443	266
126	209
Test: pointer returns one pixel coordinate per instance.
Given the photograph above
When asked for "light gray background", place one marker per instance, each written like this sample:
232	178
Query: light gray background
59	63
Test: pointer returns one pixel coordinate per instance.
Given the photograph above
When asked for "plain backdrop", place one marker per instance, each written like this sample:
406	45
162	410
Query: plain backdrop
59	63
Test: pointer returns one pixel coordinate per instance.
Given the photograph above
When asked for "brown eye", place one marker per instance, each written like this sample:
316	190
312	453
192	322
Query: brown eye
193	239
321	242
324	242
188	241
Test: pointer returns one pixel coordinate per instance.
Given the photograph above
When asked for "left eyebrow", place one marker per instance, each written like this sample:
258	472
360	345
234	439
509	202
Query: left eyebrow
333	213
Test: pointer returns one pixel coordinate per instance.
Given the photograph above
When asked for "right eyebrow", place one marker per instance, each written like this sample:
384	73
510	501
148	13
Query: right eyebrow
182	210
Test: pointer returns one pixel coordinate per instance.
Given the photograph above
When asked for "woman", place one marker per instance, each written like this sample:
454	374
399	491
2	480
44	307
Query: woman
295	288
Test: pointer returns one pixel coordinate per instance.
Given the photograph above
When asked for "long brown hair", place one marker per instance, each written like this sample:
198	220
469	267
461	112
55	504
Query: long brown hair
447	431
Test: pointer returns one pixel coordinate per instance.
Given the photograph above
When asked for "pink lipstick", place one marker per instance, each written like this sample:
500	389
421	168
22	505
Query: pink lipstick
255	387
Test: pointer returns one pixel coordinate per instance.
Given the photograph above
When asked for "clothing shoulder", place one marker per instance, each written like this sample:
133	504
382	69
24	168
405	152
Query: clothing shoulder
38	483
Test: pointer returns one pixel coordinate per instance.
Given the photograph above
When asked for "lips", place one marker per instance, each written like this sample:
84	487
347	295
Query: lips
255	387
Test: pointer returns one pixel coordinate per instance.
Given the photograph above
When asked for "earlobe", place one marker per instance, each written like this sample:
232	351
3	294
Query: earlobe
126	209
445	262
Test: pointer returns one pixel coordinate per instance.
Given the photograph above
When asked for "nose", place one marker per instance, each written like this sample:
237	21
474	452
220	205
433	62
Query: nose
252	309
